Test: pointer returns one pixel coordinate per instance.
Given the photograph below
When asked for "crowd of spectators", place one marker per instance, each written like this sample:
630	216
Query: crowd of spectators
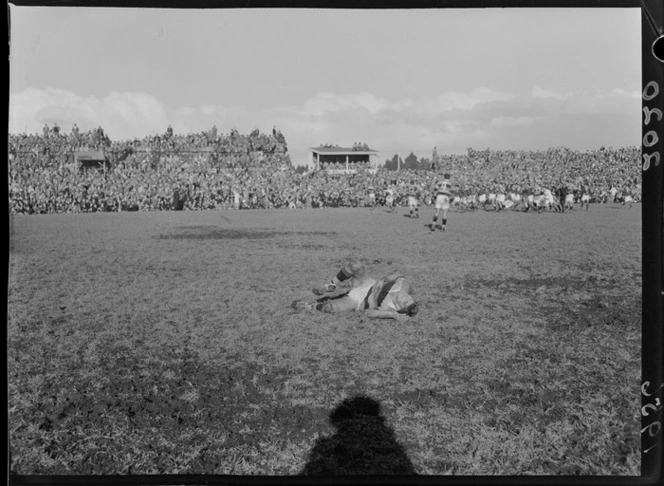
360	146
213	171
603	174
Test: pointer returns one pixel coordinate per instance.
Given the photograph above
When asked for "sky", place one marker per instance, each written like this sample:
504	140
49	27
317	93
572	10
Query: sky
401	81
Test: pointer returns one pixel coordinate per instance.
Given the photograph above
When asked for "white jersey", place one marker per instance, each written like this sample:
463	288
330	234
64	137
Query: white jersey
539	200
548	197
359	293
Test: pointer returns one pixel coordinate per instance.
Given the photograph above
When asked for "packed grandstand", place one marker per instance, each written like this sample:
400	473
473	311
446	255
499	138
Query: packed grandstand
215	171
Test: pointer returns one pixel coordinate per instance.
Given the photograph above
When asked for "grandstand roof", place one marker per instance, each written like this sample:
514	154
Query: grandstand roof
341	150
89	155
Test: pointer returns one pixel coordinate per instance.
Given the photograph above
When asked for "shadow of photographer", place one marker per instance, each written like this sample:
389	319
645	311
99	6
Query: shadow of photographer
363	444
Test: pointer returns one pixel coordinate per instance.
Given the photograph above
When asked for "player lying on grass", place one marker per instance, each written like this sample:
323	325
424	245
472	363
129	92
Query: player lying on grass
385	298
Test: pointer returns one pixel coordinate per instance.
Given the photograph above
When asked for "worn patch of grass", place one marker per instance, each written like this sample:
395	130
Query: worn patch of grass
163	343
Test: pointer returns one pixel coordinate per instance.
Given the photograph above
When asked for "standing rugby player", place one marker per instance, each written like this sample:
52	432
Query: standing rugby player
547	201
561	194
372	195
585	196
442	193
499	201
413	199
390	196
237	198
569	202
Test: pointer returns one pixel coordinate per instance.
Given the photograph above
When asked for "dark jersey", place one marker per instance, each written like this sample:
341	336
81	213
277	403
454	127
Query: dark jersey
443	188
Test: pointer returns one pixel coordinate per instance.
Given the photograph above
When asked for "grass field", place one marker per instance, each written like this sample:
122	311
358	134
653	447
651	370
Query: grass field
145	343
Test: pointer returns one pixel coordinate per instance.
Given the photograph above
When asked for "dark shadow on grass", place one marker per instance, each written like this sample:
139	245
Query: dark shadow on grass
212	232
363	444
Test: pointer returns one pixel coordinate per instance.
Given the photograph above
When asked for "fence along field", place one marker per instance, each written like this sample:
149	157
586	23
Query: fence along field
143	343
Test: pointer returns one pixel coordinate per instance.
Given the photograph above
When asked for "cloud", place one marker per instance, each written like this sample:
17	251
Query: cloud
539	92
452	121
324	103
511	121
122	115
457	100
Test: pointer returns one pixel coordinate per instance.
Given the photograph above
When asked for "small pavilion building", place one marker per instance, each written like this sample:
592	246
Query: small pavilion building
91	159
342	160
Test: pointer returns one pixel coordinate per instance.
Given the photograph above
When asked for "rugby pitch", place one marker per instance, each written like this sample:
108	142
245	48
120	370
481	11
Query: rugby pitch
163	343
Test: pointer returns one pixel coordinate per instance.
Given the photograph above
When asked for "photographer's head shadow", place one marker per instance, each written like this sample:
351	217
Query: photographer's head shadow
363	444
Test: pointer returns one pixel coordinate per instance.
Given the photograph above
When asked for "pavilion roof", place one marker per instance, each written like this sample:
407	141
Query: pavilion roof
89	155
341	151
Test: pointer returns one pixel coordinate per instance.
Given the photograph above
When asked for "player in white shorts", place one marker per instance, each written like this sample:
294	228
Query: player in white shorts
613	191
585	197
472	202
372	196
236	199
385	298
515	198
414	200
528	200
390	195
442	192
538	202
548	199
499	202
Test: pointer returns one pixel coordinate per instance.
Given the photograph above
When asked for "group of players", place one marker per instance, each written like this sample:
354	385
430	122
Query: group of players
442	198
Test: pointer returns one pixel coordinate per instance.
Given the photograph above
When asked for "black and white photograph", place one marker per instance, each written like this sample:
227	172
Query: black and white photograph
330	242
